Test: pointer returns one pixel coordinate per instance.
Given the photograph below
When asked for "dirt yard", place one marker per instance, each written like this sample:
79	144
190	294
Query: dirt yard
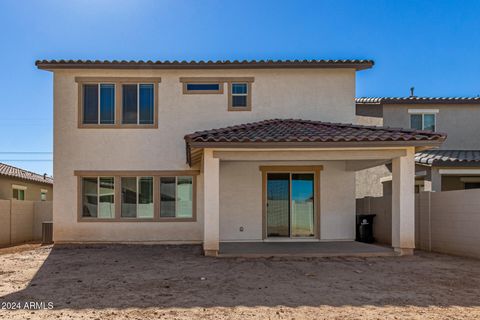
177	282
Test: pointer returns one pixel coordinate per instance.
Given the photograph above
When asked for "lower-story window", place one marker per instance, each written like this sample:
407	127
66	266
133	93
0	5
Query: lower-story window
161	196
98	197
137	197
176	197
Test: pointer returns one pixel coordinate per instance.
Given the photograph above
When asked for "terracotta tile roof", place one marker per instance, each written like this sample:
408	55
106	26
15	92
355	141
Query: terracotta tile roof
295	130
417	100
201	64
448	157
14	172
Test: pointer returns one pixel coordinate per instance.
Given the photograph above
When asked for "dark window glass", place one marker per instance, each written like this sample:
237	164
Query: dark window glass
145	197
472	185
239	101
416	121
167	196
90	197
90	104
129	197
146	104
106	207
107	103
239	88
203	86
429	122
129	110
239	94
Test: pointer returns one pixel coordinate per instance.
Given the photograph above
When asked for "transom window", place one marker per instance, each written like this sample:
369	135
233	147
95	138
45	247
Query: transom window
137	103
192	88
239	89
422	121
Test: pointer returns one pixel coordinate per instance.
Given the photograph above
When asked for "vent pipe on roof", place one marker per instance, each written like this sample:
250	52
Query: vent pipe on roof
412	91
44	176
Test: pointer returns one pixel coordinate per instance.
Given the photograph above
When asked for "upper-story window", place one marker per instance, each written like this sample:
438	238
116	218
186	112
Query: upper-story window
99	103
239	89
118	102
239	95
202	88
18	192
423	119
137	103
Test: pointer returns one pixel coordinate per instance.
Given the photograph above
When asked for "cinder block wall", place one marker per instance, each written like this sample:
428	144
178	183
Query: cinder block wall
21	221
445	222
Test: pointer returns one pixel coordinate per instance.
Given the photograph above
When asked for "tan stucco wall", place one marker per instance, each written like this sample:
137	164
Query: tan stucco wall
241	200
368	181
4	222
21	221
33	189
460	122
322	94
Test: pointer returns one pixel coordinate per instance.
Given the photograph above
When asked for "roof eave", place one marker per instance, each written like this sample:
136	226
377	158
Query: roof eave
142	66
346	144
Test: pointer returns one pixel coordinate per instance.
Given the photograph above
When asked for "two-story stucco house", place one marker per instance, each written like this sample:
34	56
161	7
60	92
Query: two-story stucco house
455	166
211	152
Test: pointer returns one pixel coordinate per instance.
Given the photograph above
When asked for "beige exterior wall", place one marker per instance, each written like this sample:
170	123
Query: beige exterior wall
445	222
368	181
241	200
321	94
460	122
21	221
32	193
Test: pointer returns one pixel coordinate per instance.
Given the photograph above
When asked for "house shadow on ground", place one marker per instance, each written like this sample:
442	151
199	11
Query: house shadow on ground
134	276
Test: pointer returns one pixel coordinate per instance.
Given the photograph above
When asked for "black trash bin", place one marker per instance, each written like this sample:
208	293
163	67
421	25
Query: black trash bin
365	228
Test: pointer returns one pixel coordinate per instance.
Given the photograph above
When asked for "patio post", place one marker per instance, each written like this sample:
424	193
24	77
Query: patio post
211	173
403	203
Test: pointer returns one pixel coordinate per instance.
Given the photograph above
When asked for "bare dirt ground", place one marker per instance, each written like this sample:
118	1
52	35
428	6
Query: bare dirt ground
177	282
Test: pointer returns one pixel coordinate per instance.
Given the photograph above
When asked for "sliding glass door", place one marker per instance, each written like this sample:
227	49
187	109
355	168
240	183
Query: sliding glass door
290	204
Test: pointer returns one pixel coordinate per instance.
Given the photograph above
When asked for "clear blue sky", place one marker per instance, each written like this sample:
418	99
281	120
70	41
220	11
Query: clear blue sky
433	45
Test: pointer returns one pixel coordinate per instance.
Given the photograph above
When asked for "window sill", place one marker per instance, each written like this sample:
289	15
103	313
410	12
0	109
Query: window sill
84	219
118	126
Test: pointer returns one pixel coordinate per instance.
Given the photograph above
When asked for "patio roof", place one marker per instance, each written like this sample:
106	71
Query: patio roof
454	158
296	133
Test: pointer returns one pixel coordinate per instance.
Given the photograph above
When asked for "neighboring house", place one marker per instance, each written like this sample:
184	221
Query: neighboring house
19	184
455	165
210	152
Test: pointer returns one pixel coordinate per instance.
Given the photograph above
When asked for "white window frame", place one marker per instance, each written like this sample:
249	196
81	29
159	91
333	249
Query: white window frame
424	112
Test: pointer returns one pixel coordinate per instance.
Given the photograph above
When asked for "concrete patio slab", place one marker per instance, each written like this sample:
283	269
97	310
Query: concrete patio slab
303	249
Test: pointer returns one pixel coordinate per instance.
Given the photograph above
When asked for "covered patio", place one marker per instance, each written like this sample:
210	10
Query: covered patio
302	249
287	187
